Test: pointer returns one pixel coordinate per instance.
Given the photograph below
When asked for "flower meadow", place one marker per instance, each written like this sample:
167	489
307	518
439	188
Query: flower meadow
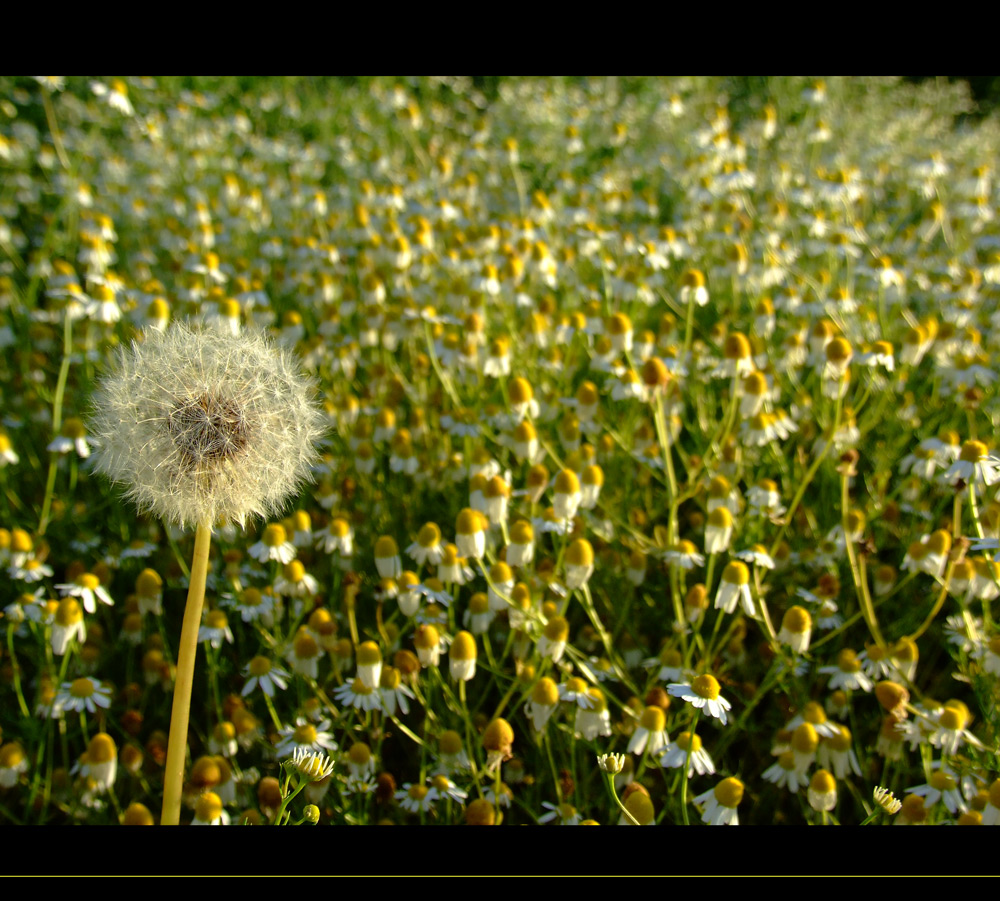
608	451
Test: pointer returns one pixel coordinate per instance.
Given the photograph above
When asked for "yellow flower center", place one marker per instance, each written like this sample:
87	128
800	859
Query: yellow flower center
729	792
305	734
274	535
706	686
259	666
82	688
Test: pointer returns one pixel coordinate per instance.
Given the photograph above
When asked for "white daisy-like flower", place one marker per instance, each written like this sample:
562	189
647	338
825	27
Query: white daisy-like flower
359	695
757	554
336	537
847	673
210	812
443	788
950	733
273	545
651	732
295	582
685	555
394	693
595	720
942	785
73	437
215	629
837	753
721	803
574	691
675	755
433	590
30	571
202	427
253	605
702	692
560	814
85	694
305	735
504	798
415	797
734	587
785	773
265	676
973	463
312	765
89	589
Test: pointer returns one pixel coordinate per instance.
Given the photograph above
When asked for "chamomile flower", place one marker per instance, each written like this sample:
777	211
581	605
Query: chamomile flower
685	555
88	588
702	692
718	530
560	814
650	733
215	629
209	811
30	571
593	720
273	545
847	673
943	785
687	746
796	629
836	753
85	694
785	773
395	695
734	587
295	582
470	533
264	675
453	570
415	797
442	788
427	548
13	762
312	765
337	537
359	695
951	732
579	563
721	802
544	699
67	625
72	437
822	791
305	735
253	605
304	654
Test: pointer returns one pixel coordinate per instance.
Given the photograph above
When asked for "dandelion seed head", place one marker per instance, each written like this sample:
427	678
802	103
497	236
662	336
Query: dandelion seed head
201	426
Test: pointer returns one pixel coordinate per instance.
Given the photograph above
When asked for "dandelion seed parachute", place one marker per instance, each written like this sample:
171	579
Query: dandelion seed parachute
203	427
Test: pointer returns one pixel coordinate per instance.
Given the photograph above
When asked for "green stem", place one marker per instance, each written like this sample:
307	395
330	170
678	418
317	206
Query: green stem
687	766
57	406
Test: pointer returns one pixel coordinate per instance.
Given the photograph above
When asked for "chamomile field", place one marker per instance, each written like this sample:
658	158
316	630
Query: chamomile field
495	452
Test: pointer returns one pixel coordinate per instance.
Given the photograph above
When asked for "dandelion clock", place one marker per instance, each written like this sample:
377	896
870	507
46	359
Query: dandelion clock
203	429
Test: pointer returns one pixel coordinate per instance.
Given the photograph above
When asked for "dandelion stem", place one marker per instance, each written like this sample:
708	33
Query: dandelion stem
173	777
